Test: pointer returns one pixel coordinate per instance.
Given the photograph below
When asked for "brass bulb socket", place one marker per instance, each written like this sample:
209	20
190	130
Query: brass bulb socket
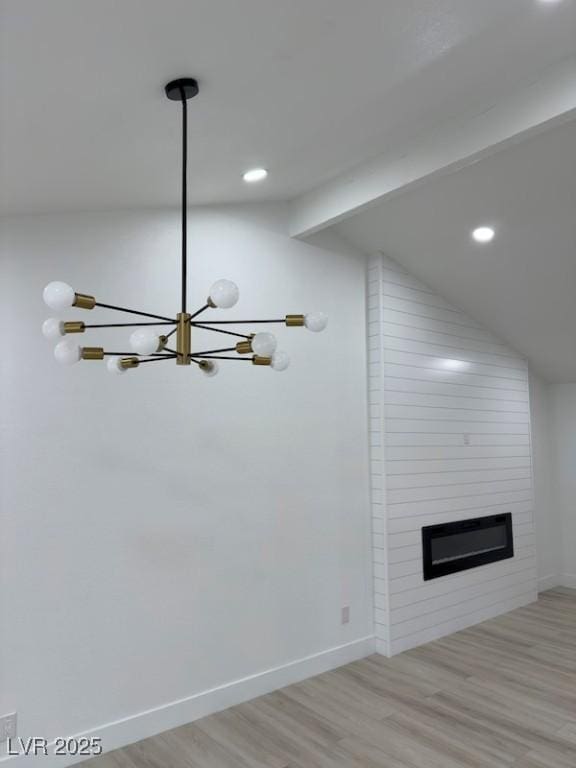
261	360
83	301
293	321
206	365
183	338
74	327
244	347
162	343
210	303
129	362
92	353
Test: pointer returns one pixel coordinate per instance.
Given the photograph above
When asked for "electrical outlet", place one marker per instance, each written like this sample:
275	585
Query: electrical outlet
346	614
8	726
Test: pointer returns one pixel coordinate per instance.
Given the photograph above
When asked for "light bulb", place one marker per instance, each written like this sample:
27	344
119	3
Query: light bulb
280	361
52	328
209	368
59	295
67	353
224	294
315	321
144	341
264	344
113	365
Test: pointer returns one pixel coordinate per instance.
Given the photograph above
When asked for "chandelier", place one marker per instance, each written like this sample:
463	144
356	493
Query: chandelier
148	344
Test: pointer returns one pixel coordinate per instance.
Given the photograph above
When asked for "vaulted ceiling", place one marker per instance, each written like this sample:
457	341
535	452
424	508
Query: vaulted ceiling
307	88
404	123
523	284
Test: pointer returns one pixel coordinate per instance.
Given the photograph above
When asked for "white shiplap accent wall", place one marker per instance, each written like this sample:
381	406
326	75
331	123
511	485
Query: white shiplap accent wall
450	440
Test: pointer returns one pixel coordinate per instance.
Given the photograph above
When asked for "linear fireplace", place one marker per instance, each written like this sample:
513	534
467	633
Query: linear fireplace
453	547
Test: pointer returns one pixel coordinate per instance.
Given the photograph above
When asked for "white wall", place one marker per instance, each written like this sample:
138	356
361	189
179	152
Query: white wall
564	473
162	533
450	437
547	512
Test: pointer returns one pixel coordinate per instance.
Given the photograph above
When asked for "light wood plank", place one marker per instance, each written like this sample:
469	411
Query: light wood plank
498	695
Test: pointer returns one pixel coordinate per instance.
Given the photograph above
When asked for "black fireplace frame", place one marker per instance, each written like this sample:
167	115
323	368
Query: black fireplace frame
430	532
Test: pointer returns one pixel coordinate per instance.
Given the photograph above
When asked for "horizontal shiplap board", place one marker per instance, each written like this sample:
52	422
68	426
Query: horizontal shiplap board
412	369
435	360
459	599
449	339
452	352
458	582
456	451
454	318
456	503
416	439
413	320
453	426
457	413
462	464
418	297
427	620
427	399
414	580
434	493
427	479
456	391
412	523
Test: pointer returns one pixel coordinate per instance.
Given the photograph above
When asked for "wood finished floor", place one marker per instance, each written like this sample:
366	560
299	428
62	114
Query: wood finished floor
499	695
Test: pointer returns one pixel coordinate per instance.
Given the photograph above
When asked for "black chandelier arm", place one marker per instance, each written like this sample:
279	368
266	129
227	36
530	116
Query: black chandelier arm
158	358
129	325
199	311
136	354
221	330
242	322
222	357
134	312
213	351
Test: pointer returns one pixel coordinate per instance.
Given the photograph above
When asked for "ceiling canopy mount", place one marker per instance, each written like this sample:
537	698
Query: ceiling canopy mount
182	89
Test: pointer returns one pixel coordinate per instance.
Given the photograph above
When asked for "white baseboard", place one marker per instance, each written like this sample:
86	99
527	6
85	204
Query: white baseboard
549	582
144	724
568	580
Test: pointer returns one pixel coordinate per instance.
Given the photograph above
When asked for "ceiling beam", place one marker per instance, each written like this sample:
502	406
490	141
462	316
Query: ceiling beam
455	144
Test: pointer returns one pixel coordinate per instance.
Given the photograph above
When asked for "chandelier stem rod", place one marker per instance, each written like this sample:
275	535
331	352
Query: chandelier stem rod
184	197
129	325
202	309
221	330
134	312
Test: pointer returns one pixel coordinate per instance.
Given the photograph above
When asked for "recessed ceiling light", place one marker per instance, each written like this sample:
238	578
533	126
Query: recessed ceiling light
255	174
483	234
